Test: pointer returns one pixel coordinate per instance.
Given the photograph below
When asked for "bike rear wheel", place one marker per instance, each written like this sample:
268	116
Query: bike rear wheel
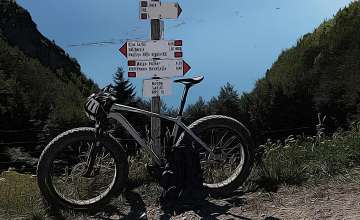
62	176
228	166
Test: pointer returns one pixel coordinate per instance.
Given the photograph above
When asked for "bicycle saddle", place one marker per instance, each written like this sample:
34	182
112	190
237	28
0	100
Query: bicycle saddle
190	81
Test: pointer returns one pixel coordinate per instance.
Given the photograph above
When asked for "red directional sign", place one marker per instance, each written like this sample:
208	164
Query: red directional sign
186	67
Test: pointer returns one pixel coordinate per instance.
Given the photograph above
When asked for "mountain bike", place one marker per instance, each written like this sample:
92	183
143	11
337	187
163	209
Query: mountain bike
84	168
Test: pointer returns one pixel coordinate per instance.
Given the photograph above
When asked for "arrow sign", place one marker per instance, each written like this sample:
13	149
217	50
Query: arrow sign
155	49
157	87
157	68
152	9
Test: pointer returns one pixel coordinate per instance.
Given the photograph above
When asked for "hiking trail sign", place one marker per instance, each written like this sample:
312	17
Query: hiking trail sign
157	58
157	68
154	49
154	9
157	87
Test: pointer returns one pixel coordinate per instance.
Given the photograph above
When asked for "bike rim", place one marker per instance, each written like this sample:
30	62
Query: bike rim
228	159
68	169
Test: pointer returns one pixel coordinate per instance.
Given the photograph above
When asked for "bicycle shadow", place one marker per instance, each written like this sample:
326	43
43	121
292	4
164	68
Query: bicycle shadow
109	211
205	209
137	205
209	209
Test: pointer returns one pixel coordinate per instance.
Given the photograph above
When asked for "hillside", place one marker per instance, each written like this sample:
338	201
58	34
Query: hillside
41	88
320	74
18	28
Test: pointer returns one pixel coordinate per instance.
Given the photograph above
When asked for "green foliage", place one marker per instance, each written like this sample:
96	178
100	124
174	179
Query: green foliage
37	101
31	91
319	74
228	103
311	158
197	110
125	91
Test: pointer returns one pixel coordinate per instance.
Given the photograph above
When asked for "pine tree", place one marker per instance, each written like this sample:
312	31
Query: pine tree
125	91
197	110
227	102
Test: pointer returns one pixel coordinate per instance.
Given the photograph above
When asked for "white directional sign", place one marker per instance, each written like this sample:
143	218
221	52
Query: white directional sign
154	9
157	68
157	87
155	49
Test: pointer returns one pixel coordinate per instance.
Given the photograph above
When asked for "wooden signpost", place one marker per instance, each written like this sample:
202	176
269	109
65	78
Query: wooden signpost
156	59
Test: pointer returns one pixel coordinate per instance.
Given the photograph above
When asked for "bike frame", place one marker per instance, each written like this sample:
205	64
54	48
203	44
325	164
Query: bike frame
115	113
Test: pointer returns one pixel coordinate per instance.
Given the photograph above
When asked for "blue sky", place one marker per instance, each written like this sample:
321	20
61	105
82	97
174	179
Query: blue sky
226	41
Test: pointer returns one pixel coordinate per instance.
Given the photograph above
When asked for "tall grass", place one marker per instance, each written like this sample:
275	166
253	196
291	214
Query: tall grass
301	158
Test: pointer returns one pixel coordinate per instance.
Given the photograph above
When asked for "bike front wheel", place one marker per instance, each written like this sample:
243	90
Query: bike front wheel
228	165
63	176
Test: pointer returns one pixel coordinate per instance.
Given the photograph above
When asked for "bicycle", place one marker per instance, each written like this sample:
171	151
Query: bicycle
84	168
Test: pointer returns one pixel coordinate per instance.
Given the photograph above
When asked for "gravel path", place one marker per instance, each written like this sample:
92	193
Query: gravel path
332	200
338	198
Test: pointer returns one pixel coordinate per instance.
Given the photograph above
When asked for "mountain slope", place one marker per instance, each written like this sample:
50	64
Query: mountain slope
18	28
42	89
321	74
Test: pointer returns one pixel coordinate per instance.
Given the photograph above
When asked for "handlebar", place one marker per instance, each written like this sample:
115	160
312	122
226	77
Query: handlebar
107	93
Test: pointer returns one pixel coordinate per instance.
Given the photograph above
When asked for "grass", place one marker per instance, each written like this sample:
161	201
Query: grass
19	196
301	159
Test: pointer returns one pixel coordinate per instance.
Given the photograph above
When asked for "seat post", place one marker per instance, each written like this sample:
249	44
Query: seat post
183	99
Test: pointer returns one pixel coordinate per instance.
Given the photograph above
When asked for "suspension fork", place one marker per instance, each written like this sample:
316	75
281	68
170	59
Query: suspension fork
94	150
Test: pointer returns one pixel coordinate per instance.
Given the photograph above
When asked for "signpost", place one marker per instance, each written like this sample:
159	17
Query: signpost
151	9
156	59
157	87
155	49
157	68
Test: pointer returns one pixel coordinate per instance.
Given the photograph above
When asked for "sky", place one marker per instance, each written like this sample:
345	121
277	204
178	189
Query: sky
232	41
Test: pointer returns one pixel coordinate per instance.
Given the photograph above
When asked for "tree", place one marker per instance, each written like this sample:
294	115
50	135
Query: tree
228	102
197	110
125	91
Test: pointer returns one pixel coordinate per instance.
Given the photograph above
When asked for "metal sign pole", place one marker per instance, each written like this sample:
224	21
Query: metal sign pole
156	34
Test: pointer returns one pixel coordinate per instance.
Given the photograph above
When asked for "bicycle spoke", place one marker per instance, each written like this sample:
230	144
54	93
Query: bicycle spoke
70	182
219	165
222	139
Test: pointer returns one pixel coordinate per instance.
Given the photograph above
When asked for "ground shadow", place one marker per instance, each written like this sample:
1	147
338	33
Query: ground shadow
213	208
137	205
63	214
133	200
207	208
